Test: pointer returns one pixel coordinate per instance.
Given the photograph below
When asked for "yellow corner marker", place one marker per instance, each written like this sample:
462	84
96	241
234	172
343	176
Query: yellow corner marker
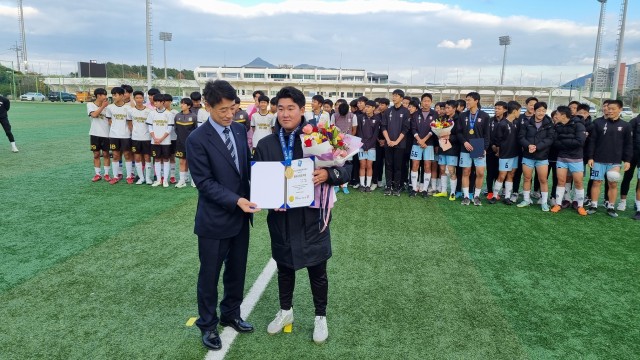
191	321
288	328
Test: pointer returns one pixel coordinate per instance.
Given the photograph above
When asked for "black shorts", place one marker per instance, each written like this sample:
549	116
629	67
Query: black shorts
181	150
172	147
141	147
161	151
99	143
116	144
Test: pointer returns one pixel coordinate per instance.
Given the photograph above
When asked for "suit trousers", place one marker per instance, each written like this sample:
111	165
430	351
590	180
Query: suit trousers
213	253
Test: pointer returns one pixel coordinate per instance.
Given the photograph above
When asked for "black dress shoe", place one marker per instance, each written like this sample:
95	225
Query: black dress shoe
211	340
238	324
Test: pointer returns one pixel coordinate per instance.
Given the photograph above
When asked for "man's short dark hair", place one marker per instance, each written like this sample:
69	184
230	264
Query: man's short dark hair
186	101
137	92
289	92
617	102
607	102
440	104
384	101
340	101
540	104
127	88
364	99
406	98
577	103
474	95
117	90
264	98
256	93
153	92
452	103
343	109
328	102
502	104
274	101
195	96
414	103
318	98
564	110
353	103
530	98
398	92
512	106
99	91
167	97
461	103
426	95
237	100
215	91
584	107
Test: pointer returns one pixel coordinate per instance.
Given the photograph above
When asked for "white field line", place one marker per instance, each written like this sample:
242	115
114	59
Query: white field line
229	334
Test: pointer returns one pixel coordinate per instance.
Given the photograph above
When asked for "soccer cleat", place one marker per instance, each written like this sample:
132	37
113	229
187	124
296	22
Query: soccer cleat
582	211
114	181
490	196
592	210
149	181
545	207
374	186
606	204
441	194
574	205
523	203
612	212
398	192
140	181
165	183
636	216
107	177
622	205
536	195
458	194
172	180
587	202
413	193
556	208
363	188
119	177
477	201
282	319
130	180
425	194
355	186
387	191
452	197
320	330
367	189
193	184
539	202
181	184
492	201
514	197
14	148
345	189
565	204
432	192
156	183
466	201
97	177
507	201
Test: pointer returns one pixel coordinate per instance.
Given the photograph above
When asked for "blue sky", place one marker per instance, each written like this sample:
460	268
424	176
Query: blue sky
441	41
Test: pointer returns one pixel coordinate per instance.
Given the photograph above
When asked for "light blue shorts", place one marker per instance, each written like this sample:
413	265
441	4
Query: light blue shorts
508	164
367	155
534	163
466	160
449	160
574	167
418	153
599	170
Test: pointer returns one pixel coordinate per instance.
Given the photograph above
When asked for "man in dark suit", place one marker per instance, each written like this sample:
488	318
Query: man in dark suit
218	156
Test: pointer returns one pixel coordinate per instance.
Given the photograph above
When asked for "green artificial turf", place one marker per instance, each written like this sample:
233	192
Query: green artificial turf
90	270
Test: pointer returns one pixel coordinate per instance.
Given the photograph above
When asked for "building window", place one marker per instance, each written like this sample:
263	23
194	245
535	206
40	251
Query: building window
358	94
231	75
328	77
279	76
253	76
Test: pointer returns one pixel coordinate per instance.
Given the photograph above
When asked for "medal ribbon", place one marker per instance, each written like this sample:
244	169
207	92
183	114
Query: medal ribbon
287	149
472	120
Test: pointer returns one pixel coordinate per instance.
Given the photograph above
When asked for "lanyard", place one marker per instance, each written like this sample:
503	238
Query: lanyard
287	149
472	120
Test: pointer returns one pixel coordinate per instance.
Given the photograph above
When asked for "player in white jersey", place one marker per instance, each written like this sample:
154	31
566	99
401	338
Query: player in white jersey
119	134
261	121
168	99
160	124
140	138
99	133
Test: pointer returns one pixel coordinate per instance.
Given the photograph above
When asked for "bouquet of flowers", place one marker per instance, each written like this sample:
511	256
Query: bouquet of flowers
330	147
442	128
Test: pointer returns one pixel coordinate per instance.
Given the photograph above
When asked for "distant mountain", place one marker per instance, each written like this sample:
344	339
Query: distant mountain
260	64
577	83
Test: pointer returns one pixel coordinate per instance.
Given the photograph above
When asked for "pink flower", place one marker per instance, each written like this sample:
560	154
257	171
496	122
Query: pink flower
321	125
307	129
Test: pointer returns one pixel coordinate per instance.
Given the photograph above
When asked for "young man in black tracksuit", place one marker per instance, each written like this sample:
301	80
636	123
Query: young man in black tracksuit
536	138
378	166
628	175
569	142
420	151
522	120
492	156
5	104
367	130
395	127
611	144
506	147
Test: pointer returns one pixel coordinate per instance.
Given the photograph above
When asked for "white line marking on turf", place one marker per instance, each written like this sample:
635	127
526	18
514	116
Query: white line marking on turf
229	334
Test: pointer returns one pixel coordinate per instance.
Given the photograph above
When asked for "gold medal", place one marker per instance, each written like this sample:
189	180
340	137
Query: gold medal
288	172
471	132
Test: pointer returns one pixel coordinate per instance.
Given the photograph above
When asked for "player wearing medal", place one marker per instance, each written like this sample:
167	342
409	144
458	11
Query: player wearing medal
448	159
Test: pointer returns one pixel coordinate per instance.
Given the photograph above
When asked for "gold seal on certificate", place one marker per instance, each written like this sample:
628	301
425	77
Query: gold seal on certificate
288	172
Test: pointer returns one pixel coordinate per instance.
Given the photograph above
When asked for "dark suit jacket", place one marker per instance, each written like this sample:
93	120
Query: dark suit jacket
219	182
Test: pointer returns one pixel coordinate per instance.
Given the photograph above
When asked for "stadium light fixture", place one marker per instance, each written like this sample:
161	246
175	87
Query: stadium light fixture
504	41
164	37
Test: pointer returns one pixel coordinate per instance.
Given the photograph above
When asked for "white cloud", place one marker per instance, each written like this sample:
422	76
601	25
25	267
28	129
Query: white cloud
460	44
12	11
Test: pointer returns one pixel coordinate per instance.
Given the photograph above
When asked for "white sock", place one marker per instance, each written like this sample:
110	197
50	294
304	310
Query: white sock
148	172
119	167
508	188
367	181
183	176
362	183
129	166
414	180
139	170
594	204
97	170
637	205
560	192
567	193
580	197
158	168
454	184
167	170
527	195
443	183
115	171
107	169
427	180
476	193
497	186
465	192
545	197
172	171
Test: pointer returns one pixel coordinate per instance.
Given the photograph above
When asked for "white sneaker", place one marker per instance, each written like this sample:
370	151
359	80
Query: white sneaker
193	184
622	206
140	181
282	319
181	184
157	183
320	331
150	181
14	148
374	186
165	183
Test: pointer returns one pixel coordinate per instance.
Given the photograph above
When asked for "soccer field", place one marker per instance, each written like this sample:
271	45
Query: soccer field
98	271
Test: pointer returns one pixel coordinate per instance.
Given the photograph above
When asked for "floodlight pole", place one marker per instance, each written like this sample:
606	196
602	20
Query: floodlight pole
616	76
165	36
504	41
149	44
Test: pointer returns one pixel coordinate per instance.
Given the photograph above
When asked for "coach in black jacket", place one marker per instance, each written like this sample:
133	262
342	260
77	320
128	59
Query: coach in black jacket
218	155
